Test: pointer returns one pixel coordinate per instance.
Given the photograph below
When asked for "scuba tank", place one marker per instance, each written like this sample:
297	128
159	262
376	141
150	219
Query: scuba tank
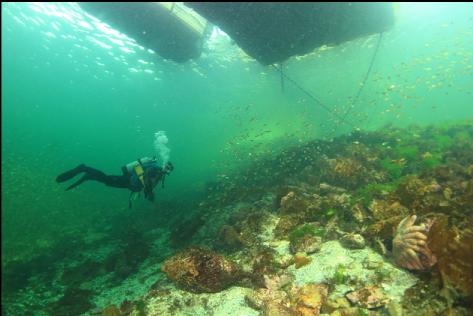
137	169
145	160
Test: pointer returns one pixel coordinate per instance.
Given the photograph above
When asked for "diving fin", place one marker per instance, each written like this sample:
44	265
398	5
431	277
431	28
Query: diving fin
70	174
82	179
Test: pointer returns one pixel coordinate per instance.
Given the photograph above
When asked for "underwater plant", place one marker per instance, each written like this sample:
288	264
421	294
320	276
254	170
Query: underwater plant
306	229
406	152
394	169
453	246
371	191
431	161
306	238
329	213
339	277
443	141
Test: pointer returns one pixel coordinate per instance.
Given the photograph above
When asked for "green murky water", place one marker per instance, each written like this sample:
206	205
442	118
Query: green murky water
76	91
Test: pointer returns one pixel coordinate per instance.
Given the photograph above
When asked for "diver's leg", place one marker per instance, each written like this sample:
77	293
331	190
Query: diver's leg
90	174
97	175
118	181
70	174
93	174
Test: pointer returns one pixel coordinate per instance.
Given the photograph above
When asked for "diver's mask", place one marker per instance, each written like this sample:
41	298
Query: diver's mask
168	168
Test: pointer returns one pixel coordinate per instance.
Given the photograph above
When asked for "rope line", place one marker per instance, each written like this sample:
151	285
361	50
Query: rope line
355	100
313	97
342	118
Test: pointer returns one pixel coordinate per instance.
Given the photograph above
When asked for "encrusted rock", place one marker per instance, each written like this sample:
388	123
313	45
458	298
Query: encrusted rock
275	309
292	203
327	188
270	302
447	193
335	304
349	311
333	232
382	229
368	297
276	282
301	260
470	170
284	261
346	172
111	310
306	238
357	213
353	241
308	244
199	270
308	299
383	210
229	238
286	223
411	190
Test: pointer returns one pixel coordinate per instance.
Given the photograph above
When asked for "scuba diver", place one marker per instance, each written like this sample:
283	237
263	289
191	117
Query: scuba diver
142	174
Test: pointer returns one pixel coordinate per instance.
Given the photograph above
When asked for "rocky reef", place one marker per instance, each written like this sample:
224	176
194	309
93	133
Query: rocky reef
371	223
357	227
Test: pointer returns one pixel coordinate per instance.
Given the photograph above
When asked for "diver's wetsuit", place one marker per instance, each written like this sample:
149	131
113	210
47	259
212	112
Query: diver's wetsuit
122	181
150	175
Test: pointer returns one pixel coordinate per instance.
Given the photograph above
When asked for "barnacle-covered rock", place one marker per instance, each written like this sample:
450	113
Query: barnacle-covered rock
308	244
468	195
353	241
308	299
333	231
277	281
301	260
346	172
199	270
269	301
382	229
411	190
229	238
111	310
382	210
286	223
263	261
361	152
368	297
293	203
306	238
302	301
335	304
357	213
326	188
410	248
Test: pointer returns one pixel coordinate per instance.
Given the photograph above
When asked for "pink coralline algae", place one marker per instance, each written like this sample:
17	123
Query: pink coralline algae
410	248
